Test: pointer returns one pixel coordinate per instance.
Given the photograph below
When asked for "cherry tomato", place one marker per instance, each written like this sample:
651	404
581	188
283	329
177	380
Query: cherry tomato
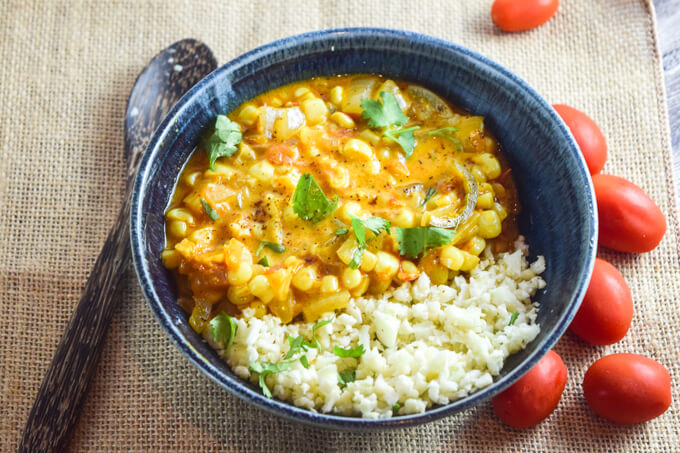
630	221
627	388
588	136
535	396
520	15
607	308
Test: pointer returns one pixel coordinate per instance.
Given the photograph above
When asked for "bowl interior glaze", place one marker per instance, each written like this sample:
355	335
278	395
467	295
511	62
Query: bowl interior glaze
558	208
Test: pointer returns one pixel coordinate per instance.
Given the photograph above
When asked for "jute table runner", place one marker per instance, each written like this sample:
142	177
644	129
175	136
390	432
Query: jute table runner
65	72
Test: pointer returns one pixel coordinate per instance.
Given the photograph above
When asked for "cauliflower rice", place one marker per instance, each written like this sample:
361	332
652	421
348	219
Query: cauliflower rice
425	344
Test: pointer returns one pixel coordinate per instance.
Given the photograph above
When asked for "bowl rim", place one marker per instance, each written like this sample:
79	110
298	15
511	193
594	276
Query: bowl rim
238	386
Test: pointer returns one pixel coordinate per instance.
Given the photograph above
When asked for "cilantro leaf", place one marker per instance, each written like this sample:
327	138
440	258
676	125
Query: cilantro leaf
513	318
387	113
264	261
266	368
359	226
357	256
304	362
350	352
404	138
295	346
341	231
223	329
316	326
309	201
273	246
396	407
346	377
209	210
222	142
414	241
447	132
431	191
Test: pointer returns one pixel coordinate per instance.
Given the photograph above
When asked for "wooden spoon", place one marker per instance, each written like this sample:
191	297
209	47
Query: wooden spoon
159	86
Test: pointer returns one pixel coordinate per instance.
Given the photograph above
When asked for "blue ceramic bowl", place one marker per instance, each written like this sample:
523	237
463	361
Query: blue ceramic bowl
558	207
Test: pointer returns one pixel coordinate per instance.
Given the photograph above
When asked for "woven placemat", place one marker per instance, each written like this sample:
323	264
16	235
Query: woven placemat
65	72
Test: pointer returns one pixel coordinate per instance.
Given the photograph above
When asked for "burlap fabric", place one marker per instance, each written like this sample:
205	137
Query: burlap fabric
65	72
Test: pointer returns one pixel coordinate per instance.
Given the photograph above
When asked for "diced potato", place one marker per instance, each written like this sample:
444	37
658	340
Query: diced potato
314	310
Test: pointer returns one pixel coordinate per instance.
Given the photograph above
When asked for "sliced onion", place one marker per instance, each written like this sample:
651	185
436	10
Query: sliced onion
452	220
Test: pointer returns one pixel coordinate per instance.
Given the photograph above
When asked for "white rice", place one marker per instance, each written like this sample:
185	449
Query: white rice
425	344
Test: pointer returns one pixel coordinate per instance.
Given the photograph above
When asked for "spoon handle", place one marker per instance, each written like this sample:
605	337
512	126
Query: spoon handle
159	86
74	363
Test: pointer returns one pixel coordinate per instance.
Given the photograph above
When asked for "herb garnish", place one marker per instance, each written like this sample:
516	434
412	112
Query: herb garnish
223	329
222	142
266	368
295	346
209	210
341	231
273	246
309	201
388	115
513	318
404	137
347	376
431	191
316	326
414	241
264	261
350	352
447	132
396	407
359	226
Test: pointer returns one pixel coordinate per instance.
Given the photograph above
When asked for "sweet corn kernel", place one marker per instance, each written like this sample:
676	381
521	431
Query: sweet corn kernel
260	287
489	224
276	102
478	174
502	212
404	219
248	114
362	287
469	261
358	149
386	266
191	178
485	201
263	171
171	258
351	278
368	261
241	275
370	137
350	208
204	236
304	278
343	120
336	95
180	214
301	92
489	165
490	144
315	111
475	245
177	228
259	309
451	257
329	284
338	177
239	295
408	267
498	189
